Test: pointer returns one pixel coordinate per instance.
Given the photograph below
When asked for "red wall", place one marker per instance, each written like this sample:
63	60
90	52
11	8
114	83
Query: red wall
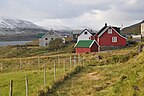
82	50
106	39
94	48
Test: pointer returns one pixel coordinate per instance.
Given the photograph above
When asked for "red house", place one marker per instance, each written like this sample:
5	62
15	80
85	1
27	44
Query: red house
86	46
110	36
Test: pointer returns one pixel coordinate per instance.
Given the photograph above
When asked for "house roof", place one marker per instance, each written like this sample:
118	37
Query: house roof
85	43
76	31
116	29
40	35
103	28
90	31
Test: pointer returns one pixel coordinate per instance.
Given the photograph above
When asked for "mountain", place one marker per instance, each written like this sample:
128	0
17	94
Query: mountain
133	29
16	29
17	26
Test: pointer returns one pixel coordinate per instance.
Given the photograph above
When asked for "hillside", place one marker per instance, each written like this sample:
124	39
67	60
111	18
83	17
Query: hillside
107	73
133	29
116	74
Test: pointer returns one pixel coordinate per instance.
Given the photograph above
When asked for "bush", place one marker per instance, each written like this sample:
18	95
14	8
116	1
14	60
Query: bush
56	44
121	58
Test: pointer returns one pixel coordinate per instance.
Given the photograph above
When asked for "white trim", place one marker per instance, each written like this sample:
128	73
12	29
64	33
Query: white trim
97	43
85	30
90	45
110	31
93	42
114	39
119	34
113	29
76	44
98	39
52	31
103	31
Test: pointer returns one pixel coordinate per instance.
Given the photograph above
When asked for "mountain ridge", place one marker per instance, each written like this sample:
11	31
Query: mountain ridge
133	29
9	26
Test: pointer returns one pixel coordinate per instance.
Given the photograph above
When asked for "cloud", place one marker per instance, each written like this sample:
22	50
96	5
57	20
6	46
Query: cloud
91	13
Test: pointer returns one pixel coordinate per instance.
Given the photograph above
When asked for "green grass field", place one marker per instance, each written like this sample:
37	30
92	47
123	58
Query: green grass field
10	69
120	73
115	73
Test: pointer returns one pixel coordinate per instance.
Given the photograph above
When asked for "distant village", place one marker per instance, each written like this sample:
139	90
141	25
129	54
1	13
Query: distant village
88	40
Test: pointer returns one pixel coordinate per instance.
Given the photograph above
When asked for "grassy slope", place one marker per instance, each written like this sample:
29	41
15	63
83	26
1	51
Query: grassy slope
14	52
79	84
114	78
35	76
35	81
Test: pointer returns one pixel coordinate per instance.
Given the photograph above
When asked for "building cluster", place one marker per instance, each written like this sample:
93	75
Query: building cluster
88	41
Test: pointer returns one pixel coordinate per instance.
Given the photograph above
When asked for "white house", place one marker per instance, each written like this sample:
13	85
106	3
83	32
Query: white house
136	38
142	29
85	35
44	39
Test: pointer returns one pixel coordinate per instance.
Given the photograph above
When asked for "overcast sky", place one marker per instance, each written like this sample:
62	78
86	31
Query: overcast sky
90	13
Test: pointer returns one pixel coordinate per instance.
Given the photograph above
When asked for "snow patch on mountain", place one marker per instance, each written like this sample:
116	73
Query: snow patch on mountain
13	23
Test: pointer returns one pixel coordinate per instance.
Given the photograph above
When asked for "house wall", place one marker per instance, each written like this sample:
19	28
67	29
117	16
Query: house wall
106	39
84	36
94	48
43	42
75	36
82	50
142	29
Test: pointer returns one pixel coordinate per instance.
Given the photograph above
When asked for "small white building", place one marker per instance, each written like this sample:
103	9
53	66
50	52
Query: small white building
136	38
85	35
44	39
142	29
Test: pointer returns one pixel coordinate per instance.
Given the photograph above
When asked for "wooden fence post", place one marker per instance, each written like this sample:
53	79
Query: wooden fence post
75	59
44	75
70	62
54	70
38	62
79	61
20	64
26	80
83	62
11	87
59	60
64	66
1	66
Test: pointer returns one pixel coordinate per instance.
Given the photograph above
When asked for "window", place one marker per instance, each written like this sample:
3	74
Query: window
46	44
46	38
51	38
51	33
114	39
109	31
85	32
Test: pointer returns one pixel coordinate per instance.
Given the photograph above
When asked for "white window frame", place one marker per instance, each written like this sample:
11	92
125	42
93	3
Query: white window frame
109	31
97	39
114	39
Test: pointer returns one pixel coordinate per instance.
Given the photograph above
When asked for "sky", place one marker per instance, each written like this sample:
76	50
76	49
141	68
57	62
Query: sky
75	13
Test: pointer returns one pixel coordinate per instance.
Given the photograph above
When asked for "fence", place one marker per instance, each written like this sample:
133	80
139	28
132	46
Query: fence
57	66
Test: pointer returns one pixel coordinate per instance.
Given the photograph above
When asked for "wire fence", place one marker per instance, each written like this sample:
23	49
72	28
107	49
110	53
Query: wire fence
50	68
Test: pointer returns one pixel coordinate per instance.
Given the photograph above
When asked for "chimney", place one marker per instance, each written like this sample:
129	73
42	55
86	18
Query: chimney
105	24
